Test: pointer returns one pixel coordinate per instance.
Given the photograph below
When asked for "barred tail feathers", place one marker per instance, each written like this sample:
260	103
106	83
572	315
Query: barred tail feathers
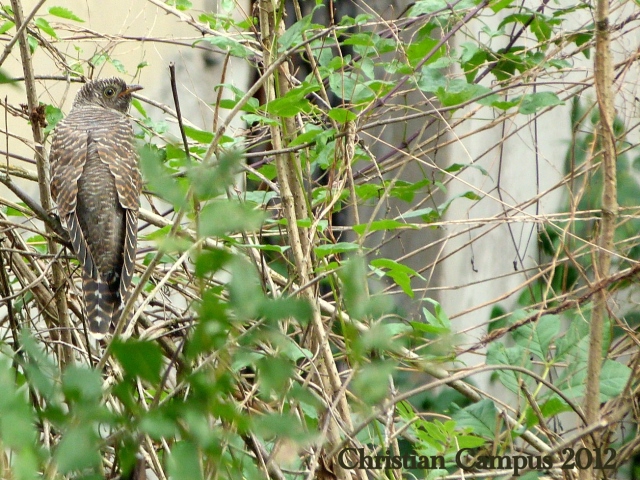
103	305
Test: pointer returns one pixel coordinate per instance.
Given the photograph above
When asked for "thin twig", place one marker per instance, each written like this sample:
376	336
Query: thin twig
176	102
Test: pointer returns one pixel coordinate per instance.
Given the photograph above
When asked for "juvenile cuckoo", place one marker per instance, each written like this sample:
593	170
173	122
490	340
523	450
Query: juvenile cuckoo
96	184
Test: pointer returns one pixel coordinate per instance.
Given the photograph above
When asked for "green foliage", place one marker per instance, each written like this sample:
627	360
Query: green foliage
65	13
270	331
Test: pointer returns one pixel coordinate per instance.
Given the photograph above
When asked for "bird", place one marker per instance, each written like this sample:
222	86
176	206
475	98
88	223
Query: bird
96	184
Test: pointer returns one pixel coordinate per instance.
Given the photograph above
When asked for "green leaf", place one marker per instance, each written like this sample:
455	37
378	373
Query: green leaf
431	80
333	248
371	384
25	464
53	115
536	337
159	179
78	449
139	358
158	424
439	319
13	212
533	102
458	91
293	34
183	5
274	373
223	217
417	51
554	406
293	102
613	379
480	417
199	136
422	7
282	308
118	65
138	106
255	118
382	337
80	383
342	115
387	224
498	5
245	293
16	416
399	273
498	354
210	261
184	462
63	12
33	43
281	425
43	25
210	181
567	343
6	26
235	48
350	87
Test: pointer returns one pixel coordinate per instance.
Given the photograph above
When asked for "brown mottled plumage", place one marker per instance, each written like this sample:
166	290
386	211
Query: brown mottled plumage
96	184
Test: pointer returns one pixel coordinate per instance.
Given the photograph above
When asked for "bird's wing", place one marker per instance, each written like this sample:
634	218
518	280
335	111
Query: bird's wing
67	159
118	151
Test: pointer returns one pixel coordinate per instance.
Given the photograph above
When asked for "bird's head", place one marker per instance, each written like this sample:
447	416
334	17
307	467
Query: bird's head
108	93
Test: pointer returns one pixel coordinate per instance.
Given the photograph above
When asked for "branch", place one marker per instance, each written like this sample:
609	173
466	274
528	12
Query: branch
42	163
604	92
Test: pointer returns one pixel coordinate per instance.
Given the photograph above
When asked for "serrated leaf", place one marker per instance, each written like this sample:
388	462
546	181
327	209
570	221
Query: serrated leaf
613	379
498	354
63	12
537	337
480	417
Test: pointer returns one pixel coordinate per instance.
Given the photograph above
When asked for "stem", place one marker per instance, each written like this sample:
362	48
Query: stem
294	201
604	92
42	163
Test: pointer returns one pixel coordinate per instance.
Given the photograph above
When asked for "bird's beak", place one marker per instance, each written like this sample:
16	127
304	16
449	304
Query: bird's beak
130	89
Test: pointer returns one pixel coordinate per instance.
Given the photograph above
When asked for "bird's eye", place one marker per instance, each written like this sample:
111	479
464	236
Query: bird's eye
109	92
